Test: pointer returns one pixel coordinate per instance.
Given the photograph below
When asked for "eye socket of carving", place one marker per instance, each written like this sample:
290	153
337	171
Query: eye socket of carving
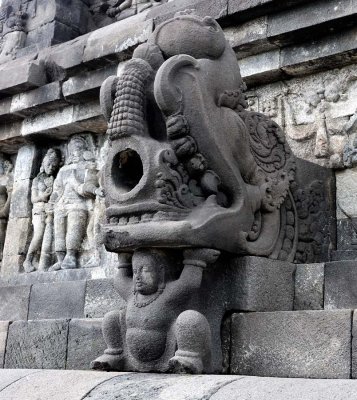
127	170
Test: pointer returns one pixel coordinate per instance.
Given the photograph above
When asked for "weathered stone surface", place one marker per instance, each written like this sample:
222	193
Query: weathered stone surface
20	207
85	342
261	284
86	84
163	386
249	38
110	41
254	388
88	385
10	376
38	100
328	52
346	193
101	297
14	302
346	235
340	285
37	344
55	385
4	326
66	121
245	9
354	345
213	8
16	77
261	67
304	344
309	287
287	26
26	163
57	300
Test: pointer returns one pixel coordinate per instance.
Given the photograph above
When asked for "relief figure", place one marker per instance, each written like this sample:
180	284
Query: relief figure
41	191
76	183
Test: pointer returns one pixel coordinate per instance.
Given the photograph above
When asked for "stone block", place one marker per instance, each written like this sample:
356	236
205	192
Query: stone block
38	100
86	84
249	38
248	9
346	193
27	163
66	56
298	344
289	25
85	342
101	297
37	344
309	287
213	8
261	68
50	34
21	206
112	40
331	51
66	121
14	302
354	345
340	285
17	237
346	235
4	326
21	76
261	284
57	300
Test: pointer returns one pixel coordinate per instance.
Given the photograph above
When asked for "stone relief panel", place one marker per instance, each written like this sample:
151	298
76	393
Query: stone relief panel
13	19
6	185
67	207
318	114
107	11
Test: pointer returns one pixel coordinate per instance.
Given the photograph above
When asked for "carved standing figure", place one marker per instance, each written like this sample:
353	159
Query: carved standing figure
157	320
41	191
76	183
6	182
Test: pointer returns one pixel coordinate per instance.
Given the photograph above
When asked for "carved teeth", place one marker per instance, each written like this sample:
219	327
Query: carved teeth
146	217
123	220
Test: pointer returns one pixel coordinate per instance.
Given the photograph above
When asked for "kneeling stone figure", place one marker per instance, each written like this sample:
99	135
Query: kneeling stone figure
157	331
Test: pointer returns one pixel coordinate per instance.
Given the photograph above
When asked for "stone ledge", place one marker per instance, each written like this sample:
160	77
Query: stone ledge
90	385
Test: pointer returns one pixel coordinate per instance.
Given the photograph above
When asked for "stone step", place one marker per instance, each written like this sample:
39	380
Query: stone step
87	385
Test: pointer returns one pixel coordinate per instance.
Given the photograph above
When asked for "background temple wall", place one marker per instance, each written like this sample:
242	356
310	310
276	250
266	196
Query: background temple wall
298	60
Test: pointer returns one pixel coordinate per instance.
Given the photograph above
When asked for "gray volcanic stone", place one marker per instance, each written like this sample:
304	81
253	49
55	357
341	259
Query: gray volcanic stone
299	344
42	99
4	326
354	345
101	297
57	300
213	8
20	76
14	302
340	285
309	287
261	284
85	342
37	344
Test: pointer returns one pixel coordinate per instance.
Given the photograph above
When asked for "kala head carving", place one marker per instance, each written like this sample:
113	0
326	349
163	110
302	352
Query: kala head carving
188	165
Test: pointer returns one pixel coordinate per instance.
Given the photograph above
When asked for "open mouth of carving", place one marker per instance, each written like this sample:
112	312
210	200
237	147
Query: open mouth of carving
145	217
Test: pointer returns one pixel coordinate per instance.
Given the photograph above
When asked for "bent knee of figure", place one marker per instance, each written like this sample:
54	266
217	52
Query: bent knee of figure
112	329
192	331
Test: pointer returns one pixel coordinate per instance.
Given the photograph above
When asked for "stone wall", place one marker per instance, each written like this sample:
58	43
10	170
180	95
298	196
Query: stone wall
298	60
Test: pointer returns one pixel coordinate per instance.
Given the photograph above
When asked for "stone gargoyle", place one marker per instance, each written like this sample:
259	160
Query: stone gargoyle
190	170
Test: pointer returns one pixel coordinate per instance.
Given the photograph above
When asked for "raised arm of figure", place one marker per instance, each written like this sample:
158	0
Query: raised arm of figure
123	280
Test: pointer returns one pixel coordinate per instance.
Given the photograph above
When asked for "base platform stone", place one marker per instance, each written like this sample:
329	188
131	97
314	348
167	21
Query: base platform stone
299	344
89	385
340	285
39	344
